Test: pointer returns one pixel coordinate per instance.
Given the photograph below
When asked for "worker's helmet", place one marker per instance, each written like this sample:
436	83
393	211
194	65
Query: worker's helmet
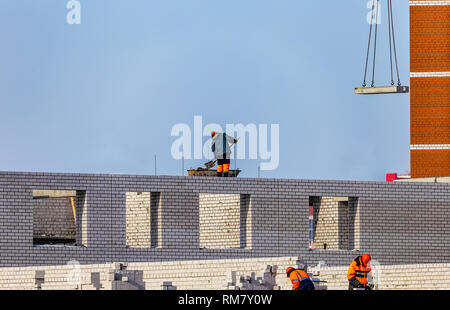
213	133
289	270
366	258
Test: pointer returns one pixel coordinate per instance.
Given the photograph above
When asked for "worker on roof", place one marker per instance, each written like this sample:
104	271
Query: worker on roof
221	147
358	272
300	279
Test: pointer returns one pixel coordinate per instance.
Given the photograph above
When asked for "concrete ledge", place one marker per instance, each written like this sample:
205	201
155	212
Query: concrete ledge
381	90
429	180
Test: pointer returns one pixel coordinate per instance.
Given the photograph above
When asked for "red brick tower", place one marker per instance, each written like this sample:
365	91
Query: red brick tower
430	88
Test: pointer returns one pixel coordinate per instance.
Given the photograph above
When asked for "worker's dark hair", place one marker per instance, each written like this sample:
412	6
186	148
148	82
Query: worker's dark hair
213	134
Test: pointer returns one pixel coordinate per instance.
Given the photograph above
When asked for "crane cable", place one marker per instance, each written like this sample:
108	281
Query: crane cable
368	46
392	45
393	42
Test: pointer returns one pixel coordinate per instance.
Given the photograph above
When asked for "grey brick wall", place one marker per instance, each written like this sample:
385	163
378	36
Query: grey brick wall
155	220
398	223
220	221
82	218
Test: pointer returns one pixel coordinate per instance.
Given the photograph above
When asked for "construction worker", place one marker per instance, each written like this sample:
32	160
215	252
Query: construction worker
221	147
300	279
358	272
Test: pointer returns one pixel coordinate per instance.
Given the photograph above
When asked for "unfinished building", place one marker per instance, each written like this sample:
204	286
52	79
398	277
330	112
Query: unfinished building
94	231
155	223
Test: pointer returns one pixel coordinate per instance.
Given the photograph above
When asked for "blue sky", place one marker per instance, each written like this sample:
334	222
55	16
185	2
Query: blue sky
102	97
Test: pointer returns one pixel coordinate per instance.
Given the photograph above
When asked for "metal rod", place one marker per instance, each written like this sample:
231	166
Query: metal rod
182	164
235	156
375	43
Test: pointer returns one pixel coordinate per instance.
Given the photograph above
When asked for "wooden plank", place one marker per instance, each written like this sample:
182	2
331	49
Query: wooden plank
201	172
382	90
74	209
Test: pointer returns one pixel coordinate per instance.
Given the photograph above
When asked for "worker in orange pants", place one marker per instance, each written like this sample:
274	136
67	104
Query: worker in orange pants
300	279
223	167
358	272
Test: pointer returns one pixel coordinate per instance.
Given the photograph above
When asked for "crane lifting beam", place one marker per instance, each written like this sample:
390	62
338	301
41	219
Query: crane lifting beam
382	90
372	90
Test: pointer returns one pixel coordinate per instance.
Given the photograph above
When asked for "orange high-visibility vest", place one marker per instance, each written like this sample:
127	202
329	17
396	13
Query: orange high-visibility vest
358	270
296	277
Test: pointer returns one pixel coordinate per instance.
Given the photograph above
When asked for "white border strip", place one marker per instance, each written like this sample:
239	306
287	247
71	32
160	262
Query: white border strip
430	147
426	3
429	74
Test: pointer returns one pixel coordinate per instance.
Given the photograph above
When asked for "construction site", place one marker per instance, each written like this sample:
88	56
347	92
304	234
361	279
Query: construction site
79	231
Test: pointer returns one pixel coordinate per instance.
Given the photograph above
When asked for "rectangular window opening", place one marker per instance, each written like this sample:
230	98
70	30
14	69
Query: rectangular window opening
143	219
333	223
59	218
225	221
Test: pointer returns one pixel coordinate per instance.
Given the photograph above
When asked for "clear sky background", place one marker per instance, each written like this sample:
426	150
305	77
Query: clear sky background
102	97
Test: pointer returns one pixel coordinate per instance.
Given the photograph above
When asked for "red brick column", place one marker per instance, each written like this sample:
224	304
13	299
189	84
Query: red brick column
430	88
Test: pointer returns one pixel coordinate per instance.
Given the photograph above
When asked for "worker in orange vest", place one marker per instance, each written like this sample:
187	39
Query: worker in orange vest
358	272
300	280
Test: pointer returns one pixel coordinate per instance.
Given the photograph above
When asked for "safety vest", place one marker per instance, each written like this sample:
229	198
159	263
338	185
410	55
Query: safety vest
358	270
296	277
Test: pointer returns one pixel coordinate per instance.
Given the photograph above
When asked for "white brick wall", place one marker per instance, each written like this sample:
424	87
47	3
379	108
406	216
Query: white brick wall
138	232
399	223
336	223
218	274
220	220
394	277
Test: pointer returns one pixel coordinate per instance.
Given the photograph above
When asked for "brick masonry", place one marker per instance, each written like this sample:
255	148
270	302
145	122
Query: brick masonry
219	220
249	273
224	221
399	223
430	110
245	274
334	223
138	223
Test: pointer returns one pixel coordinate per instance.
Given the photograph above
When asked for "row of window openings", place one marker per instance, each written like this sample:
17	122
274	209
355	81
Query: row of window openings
59	218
